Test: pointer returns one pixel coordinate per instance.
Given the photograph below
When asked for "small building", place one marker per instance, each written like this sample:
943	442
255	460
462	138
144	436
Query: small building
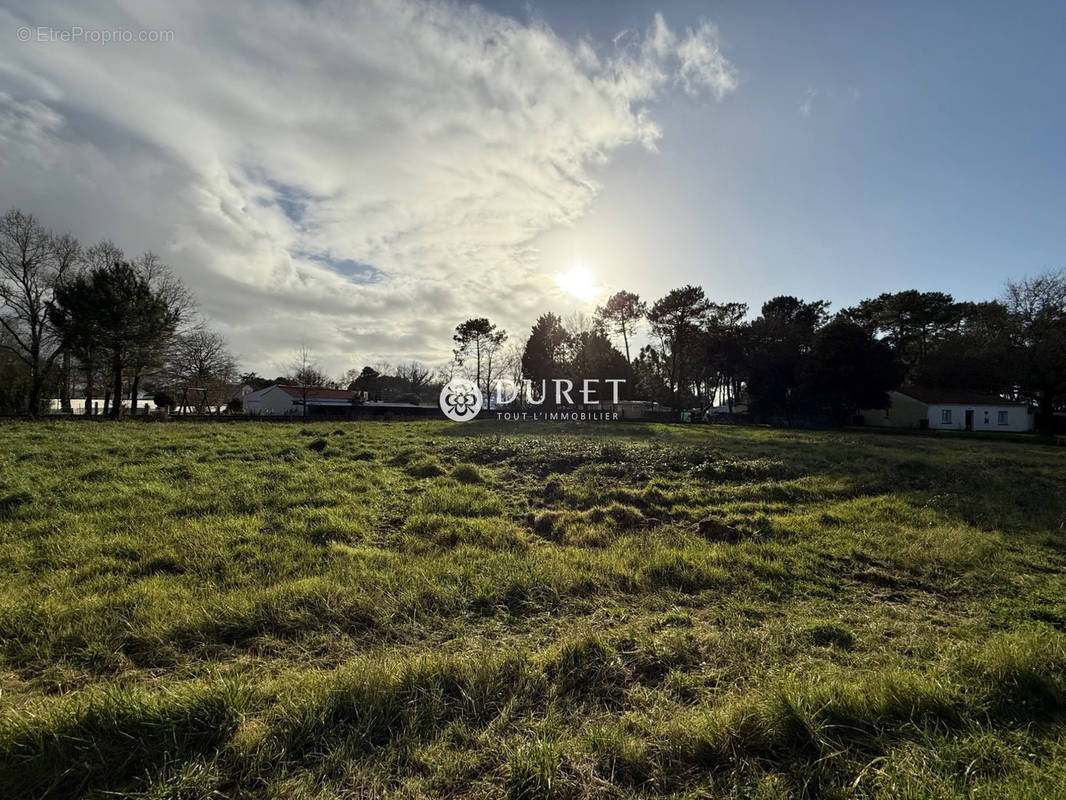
300	401
635	409
950	410
145	404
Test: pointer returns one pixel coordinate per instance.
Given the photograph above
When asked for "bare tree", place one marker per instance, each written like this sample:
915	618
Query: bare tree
102	255
182	305
578	322
305	369
415	375
168	287
511	364
1038	305
306	372
32	262
1038	297
201	358
446	371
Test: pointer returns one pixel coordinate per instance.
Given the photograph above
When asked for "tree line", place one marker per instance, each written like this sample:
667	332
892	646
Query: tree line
93	320
90	318
795	359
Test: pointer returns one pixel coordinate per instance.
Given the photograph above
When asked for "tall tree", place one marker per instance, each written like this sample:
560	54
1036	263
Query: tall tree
651	372
482	339
723	352
14	377
594	357
848	370
621	316
103	255
254	380
1038	306
911	321
32	263
979	353
675	319
779	341
369	381
544	355
115	309
181	304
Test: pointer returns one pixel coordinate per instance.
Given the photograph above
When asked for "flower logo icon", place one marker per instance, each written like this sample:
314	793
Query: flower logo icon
460	400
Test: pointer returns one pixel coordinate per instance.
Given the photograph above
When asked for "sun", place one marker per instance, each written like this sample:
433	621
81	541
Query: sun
578	282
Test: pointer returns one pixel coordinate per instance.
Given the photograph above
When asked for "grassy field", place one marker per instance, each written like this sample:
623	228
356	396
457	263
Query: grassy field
428	609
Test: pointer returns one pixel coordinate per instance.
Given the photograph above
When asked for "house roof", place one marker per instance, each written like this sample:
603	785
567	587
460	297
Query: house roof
949	397
317	392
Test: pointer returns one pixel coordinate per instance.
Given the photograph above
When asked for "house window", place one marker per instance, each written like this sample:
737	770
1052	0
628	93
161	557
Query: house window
945	416
1002	417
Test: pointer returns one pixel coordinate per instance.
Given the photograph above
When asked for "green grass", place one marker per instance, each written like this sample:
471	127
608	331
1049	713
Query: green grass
527	611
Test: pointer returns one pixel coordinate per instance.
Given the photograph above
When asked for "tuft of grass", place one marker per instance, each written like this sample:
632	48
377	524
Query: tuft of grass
459	500
588	668
424	468
534	770
830	635
11	502
114	740
466	473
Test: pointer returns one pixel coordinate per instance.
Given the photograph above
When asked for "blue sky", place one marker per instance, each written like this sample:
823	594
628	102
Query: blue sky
359	177
869	147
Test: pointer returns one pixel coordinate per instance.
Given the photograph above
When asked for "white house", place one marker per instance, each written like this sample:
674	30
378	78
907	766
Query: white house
298	401
950	410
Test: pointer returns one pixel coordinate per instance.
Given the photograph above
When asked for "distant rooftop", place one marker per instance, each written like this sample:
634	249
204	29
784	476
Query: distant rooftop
955	396
317	392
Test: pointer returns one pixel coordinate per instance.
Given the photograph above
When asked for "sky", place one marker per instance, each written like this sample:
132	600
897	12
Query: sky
360	177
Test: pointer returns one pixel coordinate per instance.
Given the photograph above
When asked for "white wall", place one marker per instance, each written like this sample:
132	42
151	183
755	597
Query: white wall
77	405
270	401
985	418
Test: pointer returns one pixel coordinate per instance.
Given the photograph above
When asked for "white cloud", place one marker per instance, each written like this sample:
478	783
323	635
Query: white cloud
429	141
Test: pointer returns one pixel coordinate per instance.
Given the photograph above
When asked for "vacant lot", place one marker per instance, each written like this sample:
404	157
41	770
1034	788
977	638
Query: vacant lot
427	609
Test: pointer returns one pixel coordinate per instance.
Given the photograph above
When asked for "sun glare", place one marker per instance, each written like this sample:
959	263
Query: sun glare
578	282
